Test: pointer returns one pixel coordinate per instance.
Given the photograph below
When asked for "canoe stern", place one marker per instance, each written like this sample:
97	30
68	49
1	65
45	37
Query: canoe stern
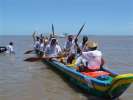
120	84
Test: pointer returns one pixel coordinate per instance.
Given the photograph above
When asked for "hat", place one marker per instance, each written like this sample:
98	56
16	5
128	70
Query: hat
53	40
91	44
11	43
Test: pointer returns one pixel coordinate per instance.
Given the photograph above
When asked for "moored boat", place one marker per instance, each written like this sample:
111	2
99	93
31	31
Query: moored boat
2	49
104	83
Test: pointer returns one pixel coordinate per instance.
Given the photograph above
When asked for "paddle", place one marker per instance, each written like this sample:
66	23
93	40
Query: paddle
75	40
77	37
29	51
80	31
33	35
33	59
53	29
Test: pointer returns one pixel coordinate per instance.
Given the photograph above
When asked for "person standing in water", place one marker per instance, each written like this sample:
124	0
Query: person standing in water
10	48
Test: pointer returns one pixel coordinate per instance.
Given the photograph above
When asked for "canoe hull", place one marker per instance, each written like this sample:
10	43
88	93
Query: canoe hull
110	88
91	85
76	79
2	49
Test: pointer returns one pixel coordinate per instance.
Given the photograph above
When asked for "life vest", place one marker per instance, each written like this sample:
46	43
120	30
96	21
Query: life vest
95	74
93	68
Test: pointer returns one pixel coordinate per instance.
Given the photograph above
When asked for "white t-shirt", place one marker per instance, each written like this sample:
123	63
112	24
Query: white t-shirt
73	49
52	50
68	44
41	47
71	45
37	45
93	58
10	49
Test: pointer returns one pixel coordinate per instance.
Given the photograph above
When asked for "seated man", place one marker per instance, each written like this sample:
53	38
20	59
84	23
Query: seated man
69	43
70	49
82	45
90	59
37	43
52	49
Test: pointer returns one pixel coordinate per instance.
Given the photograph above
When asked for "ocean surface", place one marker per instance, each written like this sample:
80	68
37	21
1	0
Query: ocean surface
21	80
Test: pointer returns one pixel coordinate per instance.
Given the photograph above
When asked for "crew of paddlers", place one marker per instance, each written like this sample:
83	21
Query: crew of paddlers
85	55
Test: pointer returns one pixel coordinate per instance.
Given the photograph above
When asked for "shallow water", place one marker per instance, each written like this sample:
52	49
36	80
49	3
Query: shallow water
21	80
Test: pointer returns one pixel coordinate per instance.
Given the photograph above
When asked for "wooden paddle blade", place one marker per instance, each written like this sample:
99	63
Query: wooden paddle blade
80	30
33	59
53	29
29	51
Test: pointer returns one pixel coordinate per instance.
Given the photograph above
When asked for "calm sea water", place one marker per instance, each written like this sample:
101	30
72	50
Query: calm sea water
21	80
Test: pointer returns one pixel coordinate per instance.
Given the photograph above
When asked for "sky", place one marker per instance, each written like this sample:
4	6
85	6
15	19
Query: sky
101	17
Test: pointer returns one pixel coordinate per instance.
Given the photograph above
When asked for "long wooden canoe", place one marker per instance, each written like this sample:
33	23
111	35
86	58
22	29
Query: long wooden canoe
106	86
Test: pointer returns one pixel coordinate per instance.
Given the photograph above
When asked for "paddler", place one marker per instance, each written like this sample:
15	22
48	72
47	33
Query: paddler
69	43
43	44
10	48
37	43
82	45
52	49
69	49
84	40
91	59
